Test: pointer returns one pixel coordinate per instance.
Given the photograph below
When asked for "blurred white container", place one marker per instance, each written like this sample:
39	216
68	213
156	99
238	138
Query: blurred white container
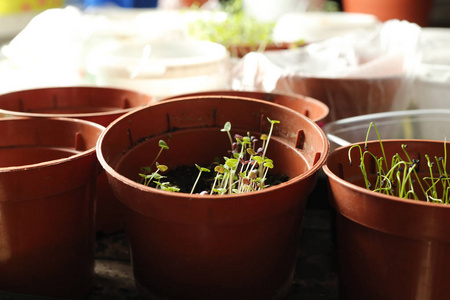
161	68
432	88
270	11
318	26
432	124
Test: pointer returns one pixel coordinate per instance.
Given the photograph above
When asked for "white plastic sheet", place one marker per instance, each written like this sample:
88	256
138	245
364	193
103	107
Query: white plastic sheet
359	73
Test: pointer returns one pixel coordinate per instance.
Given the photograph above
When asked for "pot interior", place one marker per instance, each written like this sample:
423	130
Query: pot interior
20	156
203	147
339	164
29	141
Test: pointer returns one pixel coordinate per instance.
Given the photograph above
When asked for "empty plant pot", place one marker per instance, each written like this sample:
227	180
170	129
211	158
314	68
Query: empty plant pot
234	246
96	104
48	172
389	247
312	108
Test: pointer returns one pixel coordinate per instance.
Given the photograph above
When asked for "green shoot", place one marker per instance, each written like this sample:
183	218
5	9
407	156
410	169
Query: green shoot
245	170
400	177
226	128
201	169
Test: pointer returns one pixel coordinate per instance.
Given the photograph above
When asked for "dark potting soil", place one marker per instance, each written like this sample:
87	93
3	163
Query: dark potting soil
184	178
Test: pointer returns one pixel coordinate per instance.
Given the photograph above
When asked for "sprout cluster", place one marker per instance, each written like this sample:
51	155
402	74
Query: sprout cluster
400	177
245	170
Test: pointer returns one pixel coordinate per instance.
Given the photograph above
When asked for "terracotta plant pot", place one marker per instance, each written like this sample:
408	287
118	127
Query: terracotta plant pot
415	11
389	248
240	51
212	247
48	172
348	97
312	108
96	104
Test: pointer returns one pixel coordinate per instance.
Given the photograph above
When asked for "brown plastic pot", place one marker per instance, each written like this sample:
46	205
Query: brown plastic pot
389	248
48	172
239	51
348	97
97	104
312	108
416	11
212	247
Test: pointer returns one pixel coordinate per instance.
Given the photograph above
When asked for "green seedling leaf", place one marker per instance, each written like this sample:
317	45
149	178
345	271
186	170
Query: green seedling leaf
258	159
226	127
157	176
163	144
219	169
232	162
246	140
251	151
268	165
273	121
171	189
220	191
162	168
202	169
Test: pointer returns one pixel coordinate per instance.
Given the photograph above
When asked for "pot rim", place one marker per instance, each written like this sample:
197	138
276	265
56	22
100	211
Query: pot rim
381	196
112	172
74	115
53	162
242	94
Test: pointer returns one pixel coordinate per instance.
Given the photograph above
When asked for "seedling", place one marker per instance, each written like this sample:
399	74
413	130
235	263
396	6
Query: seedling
400	178
245	170
148	177
201	169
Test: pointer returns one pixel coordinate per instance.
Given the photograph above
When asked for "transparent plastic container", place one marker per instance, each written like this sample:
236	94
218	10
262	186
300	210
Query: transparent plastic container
430	124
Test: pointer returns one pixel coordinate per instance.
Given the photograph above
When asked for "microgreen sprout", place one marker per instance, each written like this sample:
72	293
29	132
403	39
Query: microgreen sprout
400	177
148	177
236	29
201	169
226	128
245	170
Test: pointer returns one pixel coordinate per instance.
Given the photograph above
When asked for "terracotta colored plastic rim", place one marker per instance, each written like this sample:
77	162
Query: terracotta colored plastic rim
55	161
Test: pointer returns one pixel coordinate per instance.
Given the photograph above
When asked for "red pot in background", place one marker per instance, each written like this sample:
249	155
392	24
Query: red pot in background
96	104
212	247
48	172
309	107
415	11
389	248
348	97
